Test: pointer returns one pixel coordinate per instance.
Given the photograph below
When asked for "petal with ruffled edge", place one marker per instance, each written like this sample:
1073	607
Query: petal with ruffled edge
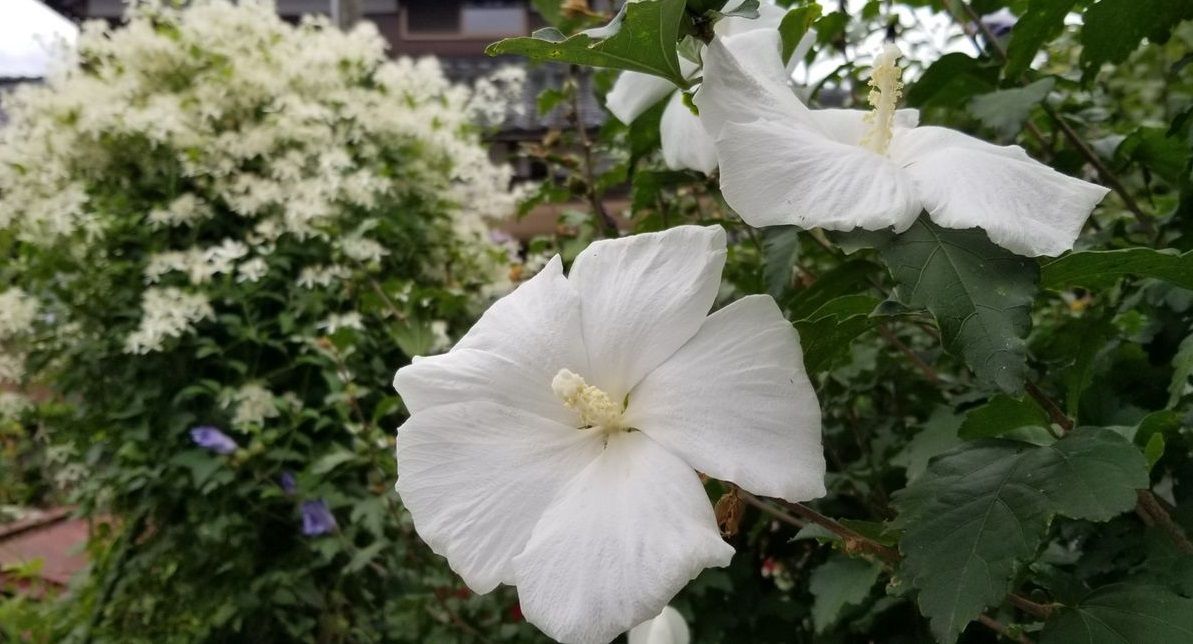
668	628
477	477
634	92
618	543
686	146
772	173
744	80
737	405
511	355
1022	204
769	17
642	297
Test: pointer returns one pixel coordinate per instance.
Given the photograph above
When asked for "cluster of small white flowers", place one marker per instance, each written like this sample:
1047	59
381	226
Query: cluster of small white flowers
338	321
167	313
362	249
319	114
254	405
496	96
17	312
322	276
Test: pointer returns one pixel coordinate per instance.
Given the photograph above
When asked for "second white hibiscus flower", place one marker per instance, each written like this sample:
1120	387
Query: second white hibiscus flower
556	446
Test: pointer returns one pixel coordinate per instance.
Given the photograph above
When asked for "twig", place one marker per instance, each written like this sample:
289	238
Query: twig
607	223
924	367
1001	629
1151	507
1054	411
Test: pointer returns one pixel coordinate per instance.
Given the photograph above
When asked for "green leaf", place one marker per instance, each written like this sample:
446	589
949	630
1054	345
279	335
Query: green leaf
1115	28
331	461
939	435
847	278
1096	269
839	582
795	26
827	334
642	38
979	293
951	81
1182	365
780	247
1124	613
1164	154
1001	415
1043	21
1007	109
1075	349
981	510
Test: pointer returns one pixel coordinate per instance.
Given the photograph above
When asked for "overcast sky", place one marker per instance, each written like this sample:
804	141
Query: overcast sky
28	31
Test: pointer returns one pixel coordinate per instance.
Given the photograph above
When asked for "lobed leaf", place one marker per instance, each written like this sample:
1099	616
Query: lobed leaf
642	38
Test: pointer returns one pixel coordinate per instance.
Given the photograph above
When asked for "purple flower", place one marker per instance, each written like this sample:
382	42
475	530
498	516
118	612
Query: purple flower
316	518
1000	22
286	480
213	439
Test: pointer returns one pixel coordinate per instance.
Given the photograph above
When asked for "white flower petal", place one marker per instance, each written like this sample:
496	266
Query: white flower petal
1022	204
736	403
618	543
634	92
773	173
642	297
668	628
685	143
478	476
744	80
510	355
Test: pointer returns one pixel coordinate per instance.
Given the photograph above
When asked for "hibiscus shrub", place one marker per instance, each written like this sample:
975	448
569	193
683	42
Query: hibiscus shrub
997	326
221	234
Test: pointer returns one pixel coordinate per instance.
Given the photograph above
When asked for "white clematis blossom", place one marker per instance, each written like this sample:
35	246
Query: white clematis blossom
685	143
839	169
668	628
556	446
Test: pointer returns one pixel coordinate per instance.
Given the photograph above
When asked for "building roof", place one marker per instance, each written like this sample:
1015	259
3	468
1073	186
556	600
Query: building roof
29	34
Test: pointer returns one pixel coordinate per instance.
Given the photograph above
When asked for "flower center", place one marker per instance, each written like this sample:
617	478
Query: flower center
885	90
595	407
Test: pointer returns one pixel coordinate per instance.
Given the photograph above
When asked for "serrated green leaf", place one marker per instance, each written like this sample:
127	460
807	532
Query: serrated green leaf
1043	21
979	293
1001	415
1182	369
827	334
1115	28
1096	269
642	38
780	248
839	582
1121	614
937	436
981	510
1006	110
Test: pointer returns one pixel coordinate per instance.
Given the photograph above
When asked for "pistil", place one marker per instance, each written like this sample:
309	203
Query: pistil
886	87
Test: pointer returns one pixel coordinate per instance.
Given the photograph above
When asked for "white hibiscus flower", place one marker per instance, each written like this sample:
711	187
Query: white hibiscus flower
782	163
685	143
555	447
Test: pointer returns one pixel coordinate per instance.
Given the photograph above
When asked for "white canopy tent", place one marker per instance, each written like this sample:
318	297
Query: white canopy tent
30	32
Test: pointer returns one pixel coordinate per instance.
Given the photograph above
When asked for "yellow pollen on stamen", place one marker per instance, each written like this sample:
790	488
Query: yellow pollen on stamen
886	87
595	407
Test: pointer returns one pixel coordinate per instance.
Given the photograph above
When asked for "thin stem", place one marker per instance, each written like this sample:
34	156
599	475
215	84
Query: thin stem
1001	629
924	367
1026	605
1152	507
1107	175
607	224
1054	411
